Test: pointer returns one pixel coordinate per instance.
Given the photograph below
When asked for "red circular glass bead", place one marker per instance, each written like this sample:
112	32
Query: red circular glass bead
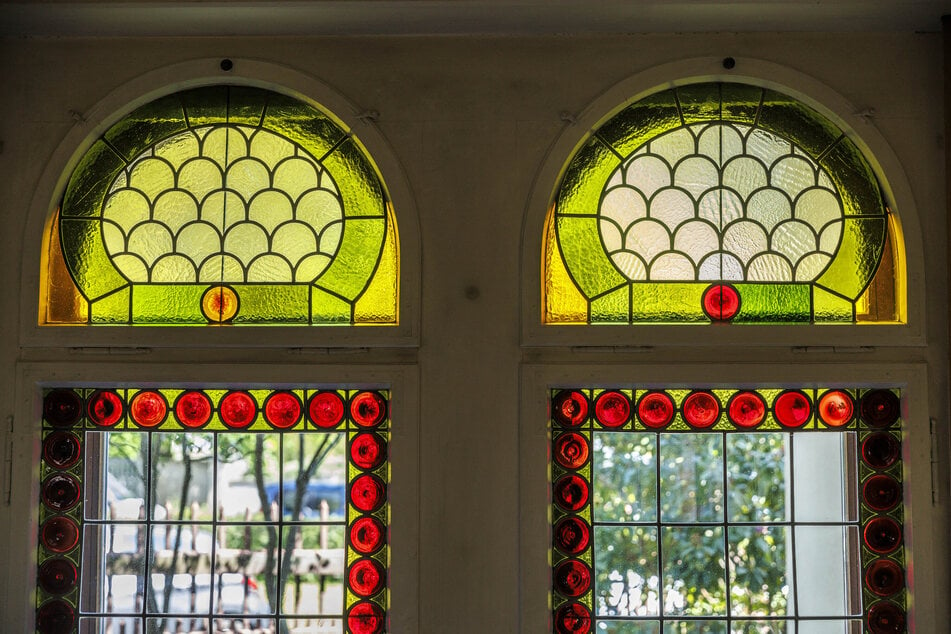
326	409
835	408
368	409
60	492
571	450
365	577
569	408
282	410
885	617
148	408
105	408
880	450
571	535
612	409
367	492
701	409
367	451
62	408
59	534
193	409
882	535
572	618
882	492
792	409
365	618
571	492
57	575
55	617
721	302
884	577
747	409
656	409
572	578
238	409
880	408
366	535
61	450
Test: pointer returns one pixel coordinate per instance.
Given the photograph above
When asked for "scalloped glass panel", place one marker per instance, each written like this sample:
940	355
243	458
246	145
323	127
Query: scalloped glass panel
223	205
721	203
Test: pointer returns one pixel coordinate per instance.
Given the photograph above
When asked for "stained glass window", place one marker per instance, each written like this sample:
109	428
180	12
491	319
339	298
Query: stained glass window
213	510
223	205
721	202
727	510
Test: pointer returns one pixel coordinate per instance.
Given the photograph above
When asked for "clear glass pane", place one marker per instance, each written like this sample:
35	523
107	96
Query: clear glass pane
626	571
182	486
695	627
756	477
625	477
175	625
691	472
314	477
763	627
98	625
241	625
121	476
245	462
759	570
312	572
312	626
694	578
180	568
826	575
243	558
627	627
116	556
821	475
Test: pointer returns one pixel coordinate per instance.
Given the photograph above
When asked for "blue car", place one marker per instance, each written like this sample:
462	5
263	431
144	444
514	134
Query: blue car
334	493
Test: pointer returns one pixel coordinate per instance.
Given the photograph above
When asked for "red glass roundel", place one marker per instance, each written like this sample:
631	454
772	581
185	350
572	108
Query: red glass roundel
367	493
747	409
571	450
193	409
656	410
882	535
148	408
882	492
365	577
60	492
62	408
885	617
572	618
61	450
55	617
59	534
835	408
721	302
612	409
884	577
104	408
282	410
569	408
701	409
880	450
57	575
238	409
572	535
367	451
571	492
368	409
326	409
572	578
880	408
366	535
365	618
792	409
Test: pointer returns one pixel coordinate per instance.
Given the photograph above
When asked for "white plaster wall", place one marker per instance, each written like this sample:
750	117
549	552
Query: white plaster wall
469	122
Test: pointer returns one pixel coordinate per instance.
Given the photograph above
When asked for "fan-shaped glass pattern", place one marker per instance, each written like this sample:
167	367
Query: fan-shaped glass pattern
714	186
218	205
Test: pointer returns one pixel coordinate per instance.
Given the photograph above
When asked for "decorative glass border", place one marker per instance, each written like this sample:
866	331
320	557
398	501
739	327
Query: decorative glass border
873	414
361	415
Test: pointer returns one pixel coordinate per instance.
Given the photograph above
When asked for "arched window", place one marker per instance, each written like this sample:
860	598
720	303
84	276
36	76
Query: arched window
223	205
721	202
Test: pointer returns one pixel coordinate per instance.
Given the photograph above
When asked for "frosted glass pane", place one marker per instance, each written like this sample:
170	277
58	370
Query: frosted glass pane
825	577
821	478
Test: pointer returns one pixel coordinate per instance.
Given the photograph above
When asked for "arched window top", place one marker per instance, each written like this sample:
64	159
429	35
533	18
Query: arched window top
721	202
223	204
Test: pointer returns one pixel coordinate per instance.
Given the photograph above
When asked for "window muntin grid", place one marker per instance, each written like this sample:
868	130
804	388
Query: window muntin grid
852	435
333	512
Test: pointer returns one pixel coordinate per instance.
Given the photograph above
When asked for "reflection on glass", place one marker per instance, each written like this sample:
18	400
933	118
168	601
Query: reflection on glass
180	568
314	483
122	476
247	464
691	471
626	571
312	570
625	488
116	553
181	487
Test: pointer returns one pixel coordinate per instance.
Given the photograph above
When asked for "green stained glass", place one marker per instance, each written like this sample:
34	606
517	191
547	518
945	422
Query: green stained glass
710	184
227	185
